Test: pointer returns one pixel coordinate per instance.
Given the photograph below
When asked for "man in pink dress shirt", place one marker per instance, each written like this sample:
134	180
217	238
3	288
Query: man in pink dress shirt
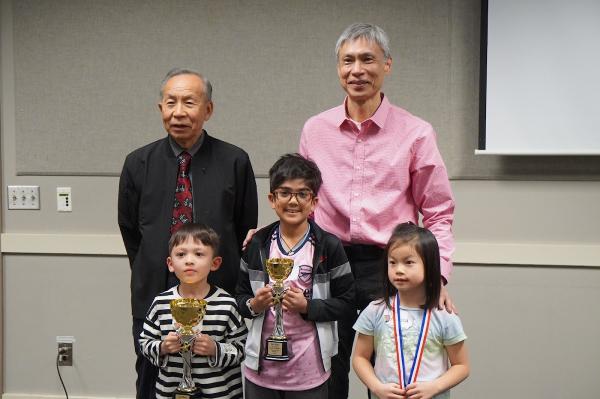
380	167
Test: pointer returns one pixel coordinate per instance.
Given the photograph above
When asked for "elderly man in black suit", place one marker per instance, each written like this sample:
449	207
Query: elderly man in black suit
183	177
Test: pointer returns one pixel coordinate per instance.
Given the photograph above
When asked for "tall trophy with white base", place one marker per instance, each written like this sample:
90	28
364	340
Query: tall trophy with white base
276	347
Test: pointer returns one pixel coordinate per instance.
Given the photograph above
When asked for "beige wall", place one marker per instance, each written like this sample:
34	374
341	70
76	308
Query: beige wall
527	281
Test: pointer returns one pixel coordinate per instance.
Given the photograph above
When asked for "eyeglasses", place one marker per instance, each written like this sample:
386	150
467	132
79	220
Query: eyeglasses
302	196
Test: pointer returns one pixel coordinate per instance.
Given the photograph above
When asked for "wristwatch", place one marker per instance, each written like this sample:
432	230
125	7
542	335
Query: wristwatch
252	312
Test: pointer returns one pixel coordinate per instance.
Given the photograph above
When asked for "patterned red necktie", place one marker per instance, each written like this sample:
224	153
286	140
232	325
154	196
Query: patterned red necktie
182	206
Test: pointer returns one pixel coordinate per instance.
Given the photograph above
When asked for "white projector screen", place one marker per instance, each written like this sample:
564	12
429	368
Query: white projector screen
542	79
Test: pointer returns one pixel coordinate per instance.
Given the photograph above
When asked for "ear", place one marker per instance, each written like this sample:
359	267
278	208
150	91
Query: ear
271	198
387	65
216	263
209	110
160	106
170	265
315	202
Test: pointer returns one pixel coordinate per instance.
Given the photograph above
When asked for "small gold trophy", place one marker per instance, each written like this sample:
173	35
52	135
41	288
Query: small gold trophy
277	344
188	312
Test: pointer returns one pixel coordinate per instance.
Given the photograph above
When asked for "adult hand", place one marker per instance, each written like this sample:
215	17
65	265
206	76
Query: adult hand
390	391
262	300
421	390
294	300
170	344
249	236
204	345
446	301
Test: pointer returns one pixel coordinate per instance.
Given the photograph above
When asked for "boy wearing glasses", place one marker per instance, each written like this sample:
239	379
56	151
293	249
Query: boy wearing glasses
320	289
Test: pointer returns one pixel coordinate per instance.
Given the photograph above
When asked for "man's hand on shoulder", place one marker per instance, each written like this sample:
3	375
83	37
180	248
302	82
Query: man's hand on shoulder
446	301
248	238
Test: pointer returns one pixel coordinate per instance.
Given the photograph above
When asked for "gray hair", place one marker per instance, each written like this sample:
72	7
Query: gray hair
183	71
372	33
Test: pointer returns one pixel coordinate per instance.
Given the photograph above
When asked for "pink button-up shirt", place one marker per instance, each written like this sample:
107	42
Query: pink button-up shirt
379	175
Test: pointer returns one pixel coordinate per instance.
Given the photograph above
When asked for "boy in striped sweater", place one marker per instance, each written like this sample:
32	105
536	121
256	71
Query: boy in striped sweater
218	348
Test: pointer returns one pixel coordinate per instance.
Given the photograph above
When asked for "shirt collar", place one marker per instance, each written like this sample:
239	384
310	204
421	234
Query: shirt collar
379	117
283	246
177	150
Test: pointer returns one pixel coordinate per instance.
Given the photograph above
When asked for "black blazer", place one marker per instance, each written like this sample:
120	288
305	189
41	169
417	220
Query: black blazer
224	198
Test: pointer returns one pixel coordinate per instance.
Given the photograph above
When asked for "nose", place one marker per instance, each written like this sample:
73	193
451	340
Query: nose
178	110
294	198
356	68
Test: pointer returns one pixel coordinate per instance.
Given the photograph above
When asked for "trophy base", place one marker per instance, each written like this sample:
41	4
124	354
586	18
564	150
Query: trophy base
186	395
276	349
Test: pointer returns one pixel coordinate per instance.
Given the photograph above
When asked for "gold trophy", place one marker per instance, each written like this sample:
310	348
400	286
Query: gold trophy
277	344
188	312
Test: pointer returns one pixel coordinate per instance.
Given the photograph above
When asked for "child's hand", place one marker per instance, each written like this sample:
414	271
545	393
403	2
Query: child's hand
294	300
262	300
170	344
421	390
390	391
204	345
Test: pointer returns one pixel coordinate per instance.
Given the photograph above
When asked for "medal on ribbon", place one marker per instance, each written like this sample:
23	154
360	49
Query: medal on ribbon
407	378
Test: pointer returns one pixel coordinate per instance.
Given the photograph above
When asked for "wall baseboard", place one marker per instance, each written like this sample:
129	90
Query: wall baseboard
529	254
66	244
479	253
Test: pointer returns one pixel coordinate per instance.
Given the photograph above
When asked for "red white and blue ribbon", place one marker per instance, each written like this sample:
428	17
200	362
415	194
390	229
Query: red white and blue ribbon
405	378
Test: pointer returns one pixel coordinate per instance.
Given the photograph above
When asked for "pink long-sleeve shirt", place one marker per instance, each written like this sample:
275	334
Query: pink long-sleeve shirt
379	173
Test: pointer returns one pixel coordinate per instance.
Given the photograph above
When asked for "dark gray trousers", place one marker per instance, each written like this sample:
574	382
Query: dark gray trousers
146	371
367	265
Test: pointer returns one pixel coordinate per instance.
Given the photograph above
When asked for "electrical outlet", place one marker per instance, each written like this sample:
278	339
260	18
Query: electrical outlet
65	350
65	354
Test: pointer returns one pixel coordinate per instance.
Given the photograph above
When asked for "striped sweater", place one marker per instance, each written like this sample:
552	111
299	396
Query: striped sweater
217	377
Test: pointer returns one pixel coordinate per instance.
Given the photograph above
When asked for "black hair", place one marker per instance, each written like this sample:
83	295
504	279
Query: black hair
425	244
295	166
198	232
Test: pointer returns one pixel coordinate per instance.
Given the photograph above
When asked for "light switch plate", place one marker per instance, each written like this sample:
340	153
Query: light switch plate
23	197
